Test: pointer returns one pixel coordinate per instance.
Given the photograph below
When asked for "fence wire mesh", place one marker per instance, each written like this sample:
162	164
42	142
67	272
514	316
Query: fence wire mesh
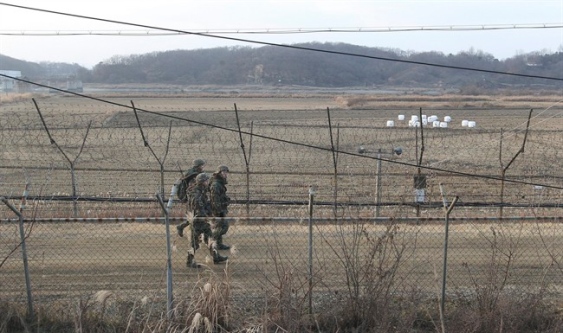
69	259
93	169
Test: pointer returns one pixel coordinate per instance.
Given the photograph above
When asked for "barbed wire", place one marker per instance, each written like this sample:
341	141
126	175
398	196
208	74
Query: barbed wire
117	176
512	132
116	169
302	144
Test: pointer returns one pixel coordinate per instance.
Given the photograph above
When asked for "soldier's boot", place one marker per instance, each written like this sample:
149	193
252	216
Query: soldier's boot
190	263
180	229
221	245
217	258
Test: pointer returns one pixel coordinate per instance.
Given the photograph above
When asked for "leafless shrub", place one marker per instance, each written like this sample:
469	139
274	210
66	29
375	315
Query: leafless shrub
12	318
286	304
209	307
90	313
494	304
371	262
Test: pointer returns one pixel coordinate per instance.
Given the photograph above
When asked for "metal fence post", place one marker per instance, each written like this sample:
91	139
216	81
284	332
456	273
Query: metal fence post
24	256
166	210
378	188
312	191
447	211
378	185
74	192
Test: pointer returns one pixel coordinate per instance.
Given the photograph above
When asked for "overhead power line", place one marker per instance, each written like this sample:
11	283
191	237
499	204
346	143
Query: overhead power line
295	47
278	31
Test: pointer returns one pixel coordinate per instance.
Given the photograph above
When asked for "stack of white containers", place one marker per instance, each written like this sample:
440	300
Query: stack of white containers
433	120
468	123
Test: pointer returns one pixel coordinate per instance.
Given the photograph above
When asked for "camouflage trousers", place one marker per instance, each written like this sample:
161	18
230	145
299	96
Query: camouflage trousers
200	231
219	227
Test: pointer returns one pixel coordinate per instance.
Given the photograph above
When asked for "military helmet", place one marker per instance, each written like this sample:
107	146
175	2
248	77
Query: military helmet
223	168
199	162
202	177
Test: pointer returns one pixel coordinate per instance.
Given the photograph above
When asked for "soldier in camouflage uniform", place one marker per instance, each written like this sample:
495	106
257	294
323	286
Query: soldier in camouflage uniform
200	228
219	205
191	174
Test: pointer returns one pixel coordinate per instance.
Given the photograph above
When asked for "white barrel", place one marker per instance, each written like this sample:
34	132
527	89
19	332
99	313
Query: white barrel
424	117
432	119
436	123
401	117
447	119
390	123
464	123
417	124
443	124
424	122
411	123
471	124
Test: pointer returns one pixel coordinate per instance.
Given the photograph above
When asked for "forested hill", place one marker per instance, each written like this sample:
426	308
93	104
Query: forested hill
43	70
270	65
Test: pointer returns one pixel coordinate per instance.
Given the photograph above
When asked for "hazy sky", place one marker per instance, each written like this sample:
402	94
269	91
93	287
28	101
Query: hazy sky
195	15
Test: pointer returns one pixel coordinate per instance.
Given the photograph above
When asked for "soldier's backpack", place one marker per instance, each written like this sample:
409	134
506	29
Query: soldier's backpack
183	184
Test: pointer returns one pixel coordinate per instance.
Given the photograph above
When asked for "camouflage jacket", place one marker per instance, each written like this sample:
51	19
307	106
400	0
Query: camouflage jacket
199	200
188	181
190	174
218	195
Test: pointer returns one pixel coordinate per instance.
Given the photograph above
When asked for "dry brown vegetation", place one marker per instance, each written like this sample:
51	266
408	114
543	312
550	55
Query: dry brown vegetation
109	277
366	278
114	142
7	98
449	101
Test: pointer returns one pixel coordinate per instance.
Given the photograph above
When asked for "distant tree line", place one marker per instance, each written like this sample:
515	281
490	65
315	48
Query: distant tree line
44	70
270	65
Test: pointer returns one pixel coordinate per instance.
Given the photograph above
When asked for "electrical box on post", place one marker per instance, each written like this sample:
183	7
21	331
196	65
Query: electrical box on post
419	188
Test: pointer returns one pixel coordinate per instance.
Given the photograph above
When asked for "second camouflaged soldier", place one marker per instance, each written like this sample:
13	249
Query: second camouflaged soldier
219	205
199	227
188	181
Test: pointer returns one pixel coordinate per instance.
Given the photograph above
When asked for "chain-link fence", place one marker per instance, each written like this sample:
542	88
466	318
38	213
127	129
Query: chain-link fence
69	259
92	172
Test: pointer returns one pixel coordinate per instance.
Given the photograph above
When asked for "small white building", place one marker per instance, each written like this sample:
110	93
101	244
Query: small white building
8	84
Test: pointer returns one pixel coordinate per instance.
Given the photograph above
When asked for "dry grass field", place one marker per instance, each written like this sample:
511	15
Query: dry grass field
290	148
81	258
117	168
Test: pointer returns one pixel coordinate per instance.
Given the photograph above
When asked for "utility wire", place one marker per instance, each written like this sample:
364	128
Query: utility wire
280	31
283	45
181	32
283	140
